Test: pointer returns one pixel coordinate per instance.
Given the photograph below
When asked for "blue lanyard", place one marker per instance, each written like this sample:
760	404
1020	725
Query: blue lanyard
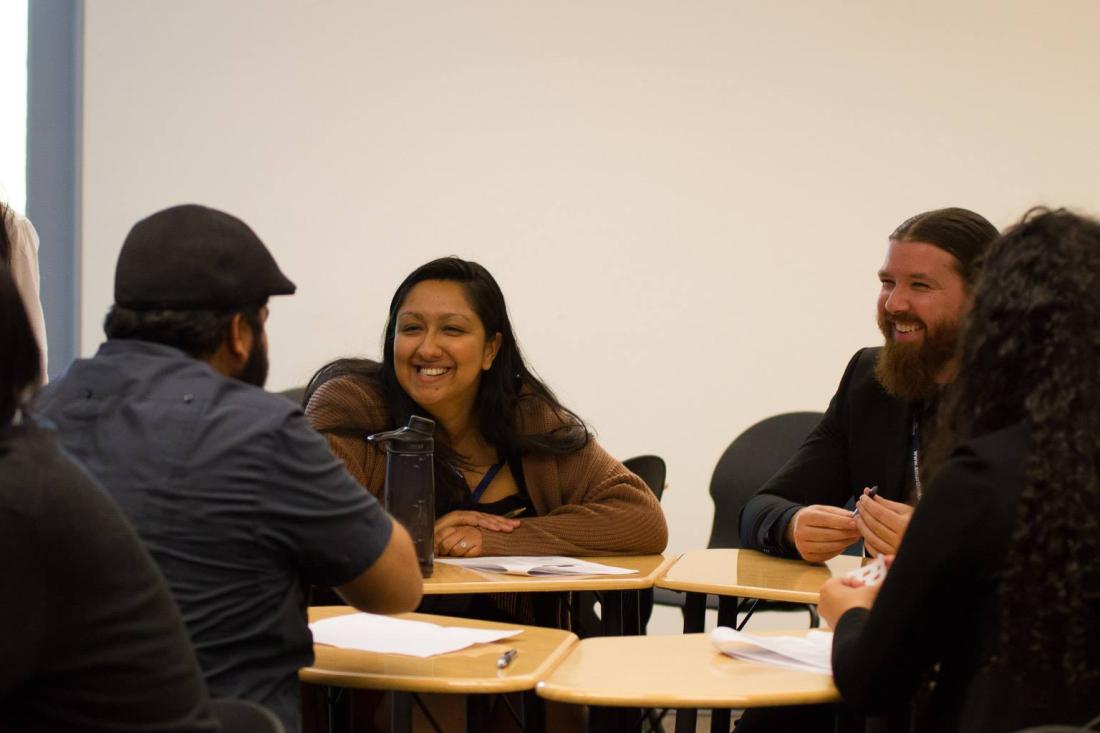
475	495
915	446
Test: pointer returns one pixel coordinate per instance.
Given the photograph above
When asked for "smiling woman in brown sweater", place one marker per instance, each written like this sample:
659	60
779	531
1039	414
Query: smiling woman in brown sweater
504	444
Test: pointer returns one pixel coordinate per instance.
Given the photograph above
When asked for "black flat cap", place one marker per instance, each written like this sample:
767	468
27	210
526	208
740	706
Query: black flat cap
192	257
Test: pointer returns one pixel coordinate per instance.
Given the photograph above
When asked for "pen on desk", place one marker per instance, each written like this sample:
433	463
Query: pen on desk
514	513
506	658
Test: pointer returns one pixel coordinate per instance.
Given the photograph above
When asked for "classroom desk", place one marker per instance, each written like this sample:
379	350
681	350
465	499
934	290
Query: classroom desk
448	579
673	672
619	611
734	574
471	671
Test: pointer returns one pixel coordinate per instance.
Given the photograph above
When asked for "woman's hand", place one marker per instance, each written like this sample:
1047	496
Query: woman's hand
839	595
451	520
463	541
455	528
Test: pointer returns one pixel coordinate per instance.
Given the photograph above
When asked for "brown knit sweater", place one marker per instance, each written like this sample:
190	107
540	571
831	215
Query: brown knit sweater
588	503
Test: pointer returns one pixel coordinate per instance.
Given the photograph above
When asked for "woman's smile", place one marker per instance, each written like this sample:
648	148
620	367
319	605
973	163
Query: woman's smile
440	348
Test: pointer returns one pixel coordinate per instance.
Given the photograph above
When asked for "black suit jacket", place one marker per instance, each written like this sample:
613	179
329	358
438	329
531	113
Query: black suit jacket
863	440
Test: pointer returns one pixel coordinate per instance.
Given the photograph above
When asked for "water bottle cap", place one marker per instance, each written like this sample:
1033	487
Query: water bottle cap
423	425
416	437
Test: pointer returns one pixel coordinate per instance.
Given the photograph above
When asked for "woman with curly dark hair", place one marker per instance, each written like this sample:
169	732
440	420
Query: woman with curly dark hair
989	619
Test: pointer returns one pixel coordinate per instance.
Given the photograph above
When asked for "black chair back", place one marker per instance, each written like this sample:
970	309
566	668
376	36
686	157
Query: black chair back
750	460
650	469
295	395
245	716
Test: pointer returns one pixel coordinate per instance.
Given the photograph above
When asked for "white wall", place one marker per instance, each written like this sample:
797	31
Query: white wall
685	203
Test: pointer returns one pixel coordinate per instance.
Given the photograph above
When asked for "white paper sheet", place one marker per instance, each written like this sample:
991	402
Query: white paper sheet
811	653
374	633
535	565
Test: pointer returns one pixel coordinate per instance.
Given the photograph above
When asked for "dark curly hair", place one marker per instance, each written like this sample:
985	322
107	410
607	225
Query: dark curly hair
503	388
1031	353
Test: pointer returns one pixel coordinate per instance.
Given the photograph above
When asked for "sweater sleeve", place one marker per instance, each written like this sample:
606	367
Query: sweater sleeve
346	411
588	503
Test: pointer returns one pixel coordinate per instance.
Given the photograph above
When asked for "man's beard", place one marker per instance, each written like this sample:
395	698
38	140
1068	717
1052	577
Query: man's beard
254	371
909	370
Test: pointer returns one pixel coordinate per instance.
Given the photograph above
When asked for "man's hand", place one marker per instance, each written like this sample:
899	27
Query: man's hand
838	595
882	523
821	532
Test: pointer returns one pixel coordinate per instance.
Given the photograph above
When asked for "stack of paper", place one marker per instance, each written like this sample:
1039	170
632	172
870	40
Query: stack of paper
809	653
373	633
536	565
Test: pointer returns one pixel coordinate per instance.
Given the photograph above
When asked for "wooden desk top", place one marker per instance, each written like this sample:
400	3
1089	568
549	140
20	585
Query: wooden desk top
683	671
448	579
752	574
471	670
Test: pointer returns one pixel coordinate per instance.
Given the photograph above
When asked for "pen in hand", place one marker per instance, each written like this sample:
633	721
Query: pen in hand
514	513
506	658
871	492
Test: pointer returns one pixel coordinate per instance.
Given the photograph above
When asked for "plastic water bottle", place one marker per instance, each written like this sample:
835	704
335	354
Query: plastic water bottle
410	483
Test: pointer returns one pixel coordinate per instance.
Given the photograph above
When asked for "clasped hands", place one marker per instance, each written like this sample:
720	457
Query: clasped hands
822	532
459	533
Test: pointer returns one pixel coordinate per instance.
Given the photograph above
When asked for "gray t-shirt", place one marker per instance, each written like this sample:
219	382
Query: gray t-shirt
240	502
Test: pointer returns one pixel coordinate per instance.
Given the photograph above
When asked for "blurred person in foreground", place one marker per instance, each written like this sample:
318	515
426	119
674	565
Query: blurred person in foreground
92	641
19	251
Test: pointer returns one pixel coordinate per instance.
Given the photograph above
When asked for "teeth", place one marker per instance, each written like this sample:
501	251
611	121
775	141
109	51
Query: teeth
433	371
905	327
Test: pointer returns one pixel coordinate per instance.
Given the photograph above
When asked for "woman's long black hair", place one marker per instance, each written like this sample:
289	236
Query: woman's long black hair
1031	353
503	390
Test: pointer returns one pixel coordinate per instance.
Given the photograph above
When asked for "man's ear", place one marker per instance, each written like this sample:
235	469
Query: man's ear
239	338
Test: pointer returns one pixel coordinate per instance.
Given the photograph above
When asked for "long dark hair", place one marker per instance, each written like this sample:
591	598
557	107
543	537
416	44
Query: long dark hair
5	238
20	365
505	388
1031	353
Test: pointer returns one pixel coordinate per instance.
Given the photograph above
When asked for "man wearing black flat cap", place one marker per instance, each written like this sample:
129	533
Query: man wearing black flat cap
238	499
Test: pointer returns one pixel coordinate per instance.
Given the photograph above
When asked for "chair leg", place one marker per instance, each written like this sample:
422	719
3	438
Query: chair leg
815	619
401	712
533	713
478	713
